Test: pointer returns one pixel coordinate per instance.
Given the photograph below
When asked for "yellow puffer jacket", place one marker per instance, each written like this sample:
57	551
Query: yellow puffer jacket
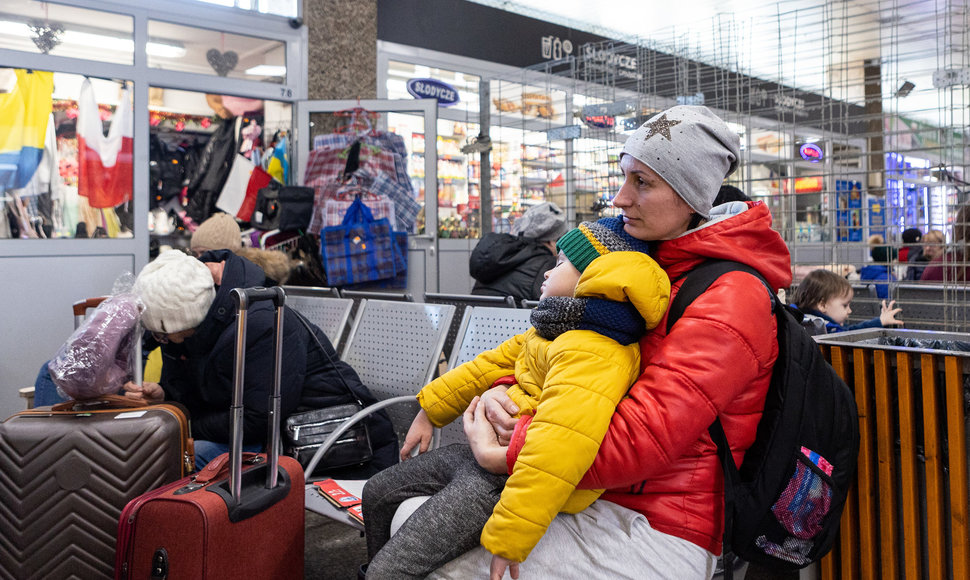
571	385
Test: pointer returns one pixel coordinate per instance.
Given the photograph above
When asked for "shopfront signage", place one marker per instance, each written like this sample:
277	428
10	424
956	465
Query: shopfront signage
445	94
555	48
810	152
566	132
944	78
808	184
695	99
600	121
615	108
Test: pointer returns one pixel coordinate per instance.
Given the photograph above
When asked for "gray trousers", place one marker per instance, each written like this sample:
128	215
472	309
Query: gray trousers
444	527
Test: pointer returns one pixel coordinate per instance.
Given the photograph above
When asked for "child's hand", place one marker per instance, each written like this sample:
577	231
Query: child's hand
498	566
888	315
419	436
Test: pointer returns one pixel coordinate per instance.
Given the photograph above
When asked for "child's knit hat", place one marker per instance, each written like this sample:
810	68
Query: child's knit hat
590	240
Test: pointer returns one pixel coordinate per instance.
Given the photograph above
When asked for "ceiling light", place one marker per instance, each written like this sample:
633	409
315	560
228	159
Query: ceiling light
77	38
267	70
905	88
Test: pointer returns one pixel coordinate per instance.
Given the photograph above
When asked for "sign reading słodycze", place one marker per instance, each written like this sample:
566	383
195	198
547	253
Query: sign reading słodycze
445	94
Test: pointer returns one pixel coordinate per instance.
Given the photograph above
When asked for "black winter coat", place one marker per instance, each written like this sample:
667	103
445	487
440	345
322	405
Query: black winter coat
198	373
507	265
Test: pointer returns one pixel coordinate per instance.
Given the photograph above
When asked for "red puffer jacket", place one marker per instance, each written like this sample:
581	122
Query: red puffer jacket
657	457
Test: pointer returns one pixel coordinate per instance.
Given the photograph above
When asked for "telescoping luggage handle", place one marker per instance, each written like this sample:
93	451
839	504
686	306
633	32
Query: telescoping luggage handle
244	298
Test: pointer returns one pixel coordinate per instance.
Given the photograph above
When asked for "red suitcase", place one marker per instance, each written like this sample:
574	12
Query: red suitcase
247	525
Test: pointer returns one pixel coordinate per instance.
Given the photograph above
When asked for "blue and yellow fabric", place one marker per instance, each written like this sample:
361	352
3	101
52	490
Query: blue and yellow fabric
24	113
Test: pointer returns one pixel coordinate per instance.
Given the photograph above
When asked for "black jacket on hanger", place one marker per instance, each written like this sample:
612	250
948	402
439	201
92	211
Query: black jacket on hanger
211	173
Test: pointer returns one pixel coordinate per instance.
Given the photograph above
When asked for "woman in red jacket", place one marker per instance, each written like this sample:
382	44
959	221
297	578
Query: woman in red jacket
663	513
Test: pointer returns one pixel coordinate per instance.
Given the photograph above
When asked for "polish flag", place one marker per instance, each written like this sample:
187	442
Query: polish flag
105	171
238	195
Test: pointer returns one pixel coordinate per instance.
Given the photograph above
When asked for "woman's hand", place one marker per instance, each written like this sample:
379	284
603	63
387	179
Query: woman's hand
888	315
419	434
482	439
498	566
145	391
500	412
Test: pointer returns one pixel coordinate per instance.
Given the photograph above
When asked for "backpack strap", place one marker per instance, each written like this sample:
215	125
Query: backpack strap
696	283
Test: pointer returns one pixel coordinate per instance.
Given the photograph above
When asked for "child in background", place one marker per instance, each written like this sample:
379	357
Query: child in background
595	305
824	296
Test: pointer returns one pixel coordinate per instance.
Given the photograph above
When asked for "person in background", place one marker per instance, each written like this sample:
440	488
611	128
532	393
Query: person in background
728	193
514	264
221	232
926	252
825	296
190	313
911	238
951	266
572	367
662	513
880	272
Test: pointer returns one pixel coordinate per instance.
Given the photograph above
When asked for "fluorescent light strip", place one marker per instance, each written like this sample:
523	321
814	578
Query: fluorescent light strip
267	70
69	37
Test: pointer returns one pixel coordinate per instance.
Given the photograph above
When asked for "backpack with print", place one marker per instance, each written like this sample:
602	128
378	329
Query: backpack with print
783	505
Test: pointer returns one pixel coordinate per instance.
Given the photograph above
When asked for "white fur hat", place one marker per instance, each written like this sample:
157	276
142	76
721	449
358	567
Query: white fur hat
691	148
177	291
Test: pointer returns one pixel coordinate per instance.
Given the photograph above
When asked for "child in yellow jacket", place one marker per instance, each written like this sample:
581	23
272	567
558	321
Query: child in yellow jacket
571	369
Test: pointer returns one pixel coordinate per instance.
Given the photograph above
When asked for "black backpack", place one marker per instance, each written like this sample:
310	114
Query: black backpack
783	506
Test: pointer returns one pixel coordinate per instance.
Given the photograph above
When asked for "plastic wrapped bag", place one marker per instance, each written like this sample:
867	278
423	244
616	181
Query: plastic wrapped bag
97	359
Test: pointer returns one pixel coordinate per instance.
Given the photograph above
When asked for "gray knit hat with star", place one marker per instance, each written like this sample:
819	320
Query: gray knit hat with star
691	148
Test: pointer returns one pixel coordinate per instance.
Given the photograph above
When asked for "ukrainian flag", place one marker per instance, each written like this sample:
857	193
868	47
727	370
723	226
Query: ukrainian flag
24	113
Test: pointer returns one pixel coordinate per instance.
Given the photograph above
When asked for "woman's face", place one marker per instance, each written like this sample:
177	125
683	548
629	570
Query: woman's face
652	210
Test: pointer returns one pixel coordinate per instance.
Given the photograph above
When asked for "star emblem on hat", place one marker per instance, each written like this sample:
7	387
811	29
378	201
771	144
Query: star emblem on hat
661	127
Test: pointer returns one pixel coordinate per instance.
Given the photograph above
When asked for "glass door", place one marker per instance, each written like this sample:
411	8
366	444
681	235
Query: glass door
319	123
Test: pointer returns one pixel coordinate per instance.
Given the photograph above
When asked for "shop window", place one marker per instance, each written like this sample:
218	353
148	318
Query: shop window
399	74
279	7
212	153
65	156
204	51
59	30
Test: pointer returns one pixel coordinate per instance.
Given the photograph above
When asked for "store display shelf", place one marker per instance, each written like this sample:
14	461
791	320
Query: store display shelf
535	181
541	164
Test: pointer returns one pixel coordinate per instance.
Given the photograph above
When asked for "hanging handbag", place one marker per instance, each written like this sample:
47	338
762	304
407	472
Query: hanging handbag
266	215
359	250
296	207
305	431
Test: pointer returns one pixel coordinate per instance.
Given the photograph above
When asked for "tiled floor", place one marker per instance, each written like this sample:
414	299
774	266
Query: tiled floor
333	551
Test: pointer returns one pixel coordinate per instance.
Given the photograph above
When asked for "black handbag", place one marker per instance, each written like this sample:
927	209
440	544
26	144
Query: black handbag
305	431
266	214
296	207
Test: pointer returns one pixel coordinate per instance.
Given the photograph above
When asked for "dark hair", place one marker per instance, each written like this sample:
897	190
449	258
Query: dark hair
911	235
729	193
819	287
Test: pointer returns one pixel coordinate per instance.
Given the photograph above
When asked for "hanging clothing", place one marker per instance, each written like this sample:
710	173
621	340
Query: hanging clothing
104	163
24	113
45	191
279	162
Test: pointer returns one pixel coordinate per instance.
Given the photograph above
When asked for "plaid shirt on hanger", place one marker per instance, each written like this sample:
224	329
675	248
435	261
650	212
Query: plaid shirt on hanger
388	142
